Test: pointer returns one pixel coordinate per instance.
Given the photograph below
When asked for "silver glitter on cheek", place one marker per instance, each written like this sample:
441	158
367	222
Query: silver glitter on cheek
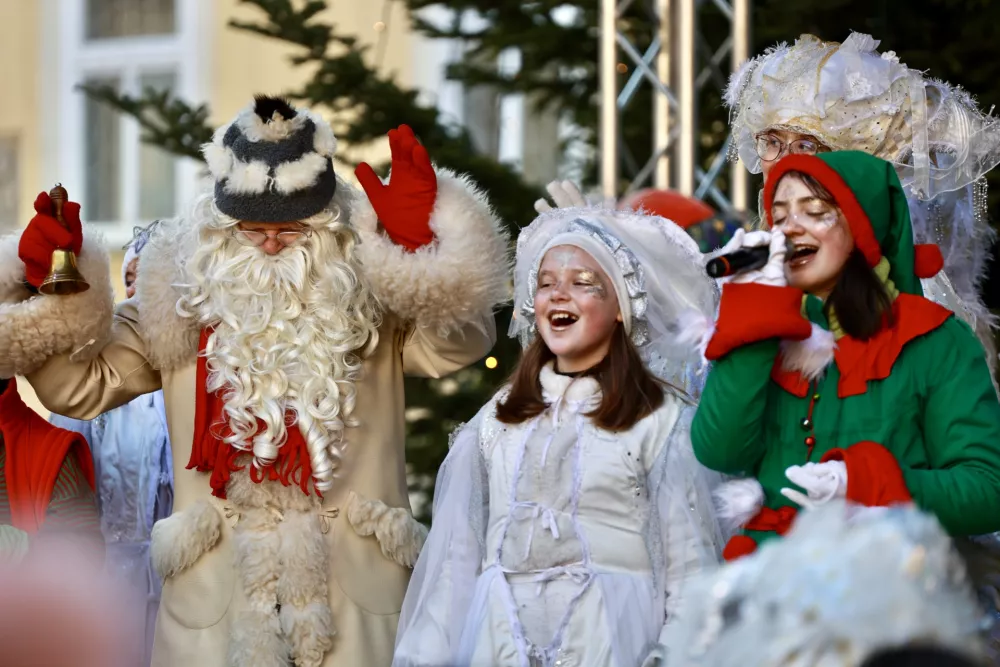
593	285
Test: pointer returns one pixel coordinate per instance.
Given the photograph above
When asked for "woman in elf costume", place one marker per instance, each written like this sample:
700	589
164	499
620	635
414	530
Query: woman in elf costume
833	375
816	96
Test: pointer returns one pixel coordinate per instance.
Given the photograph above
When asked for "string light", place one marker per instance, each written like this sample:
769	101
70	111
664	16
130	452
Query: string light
491	362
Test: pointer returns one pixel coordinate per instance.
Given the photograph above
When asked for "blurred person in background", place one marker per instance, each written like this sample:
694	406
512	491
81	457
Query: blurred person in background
58	610
133	473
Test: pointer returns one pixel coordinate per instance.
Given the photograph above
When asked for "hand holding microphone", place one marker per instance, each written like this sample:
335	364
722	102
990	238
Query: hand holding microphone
751	257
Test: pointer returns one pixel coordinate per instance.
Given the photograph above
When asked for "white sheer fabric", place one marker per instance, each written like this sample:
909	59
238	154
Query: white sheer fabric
556	543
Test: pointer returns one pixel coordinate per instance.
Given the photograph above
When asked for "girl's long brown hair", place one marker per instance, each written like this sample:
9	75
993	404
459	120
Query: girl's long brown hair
859	298
629	391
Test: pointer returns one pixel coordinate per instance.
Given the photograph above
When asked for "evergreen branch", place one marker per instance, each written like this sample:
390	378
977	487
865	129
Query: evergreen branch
166	121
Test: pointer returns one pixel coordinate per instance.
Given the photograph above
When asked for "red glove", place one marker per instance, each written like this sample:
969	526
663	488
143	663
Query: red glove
405	203
45	234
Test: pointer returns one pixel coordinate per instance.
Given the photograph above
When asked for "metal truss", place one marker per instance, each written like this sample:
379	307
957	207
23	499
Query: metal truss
677	63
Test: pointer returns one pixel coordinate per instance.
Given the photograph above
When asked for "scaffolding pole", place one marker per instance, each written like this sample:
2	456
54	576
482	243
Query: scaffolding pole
609	98
670	65
739	177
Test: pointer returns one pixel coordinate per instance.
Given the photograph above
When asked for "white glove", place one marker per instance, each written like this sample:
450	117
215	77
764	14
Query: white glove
13	544
564	194
772	273
822	481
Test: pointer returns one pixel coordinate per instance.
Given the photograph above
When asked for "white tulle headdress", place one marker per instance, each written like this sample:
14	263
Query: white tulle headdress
656	269
845	583
851	97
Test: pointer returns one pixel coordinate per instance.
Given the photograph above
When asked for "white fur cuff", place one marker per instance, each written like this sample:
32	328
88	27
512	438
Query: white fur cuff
450	283
737	502
34	328
399	534
810	356
181	539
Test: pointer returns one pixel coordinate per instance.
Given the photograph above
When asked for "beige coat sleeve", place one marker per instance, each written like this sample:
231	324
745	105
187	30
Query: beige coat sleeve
116	375
427	353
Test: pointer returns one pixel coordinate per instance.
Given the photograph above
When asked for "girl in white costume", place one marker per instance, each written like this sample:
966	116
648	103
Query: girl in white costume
570	510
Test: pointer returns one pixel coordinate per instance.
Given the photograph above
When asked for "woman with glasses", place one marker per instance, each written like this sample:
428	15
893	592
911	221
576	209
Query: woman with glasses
814	97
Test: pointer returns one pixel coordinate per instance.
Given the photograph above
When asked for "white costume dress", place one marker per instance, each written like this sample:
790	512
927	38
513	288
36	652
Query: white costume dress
555	542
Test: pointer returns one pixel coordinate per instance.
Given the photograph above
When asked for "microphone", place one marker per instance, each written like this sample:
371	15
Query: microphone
743	259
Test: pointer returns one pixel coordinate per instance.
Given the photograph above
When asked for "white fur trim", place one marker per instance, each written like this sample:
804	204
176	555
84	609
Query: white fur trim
276	129
298	175
738	501
219	159
248	177
36	328
811	356
399	534
255	640
309	631
302	589
178	541
172	339
324	141
454	281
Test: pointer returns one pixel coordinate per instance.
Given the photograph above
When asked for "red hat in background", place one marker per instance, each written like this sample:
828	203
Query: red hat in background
684	211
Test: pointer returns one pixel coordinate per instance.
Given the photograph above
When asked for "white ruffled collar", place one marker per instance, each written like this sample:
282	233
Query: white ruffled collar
578	390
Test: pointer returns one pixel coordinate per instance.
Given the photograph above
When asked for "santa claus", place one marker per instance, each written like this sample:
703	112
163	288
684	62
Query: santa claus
279	318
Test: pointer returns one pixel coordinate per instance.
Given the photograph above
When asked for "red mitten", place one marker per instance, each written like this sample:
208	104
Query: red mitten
44	234
404	204
874	476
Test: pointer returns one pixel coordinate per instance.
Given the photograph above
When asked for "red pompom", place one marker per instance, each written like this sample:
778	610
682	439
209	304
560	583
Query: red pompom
927	260
738	547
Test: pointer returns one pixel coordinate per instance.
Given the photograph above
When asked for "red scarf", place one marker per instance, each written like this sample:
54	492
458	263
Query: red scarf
211	453
36	451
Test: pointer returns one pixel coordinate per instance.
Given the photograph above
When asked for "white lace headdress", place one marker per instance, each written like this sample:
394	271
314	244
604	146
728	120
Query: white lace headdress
843	584
851	97
655	266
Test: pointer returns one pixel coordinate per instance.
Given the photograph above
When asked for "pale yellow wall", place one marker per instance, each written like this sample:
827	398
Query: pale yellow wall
19	81
244	63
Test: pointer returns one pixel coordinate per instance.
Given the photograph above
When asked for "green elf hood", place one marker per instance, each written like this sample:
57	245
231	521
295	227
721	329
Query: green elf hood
869	194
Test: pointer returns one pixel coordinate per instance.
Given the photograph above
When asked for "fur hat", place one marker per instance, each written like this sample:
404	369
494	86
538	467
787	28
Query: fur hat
272	163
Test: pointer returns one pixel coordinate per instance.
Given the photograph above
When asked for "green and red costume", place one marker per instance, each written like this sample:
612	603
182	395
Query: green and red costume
911	411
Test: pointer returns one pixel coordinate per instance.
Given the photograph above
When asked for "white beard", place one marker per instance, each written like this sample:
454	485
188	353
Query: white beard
290	333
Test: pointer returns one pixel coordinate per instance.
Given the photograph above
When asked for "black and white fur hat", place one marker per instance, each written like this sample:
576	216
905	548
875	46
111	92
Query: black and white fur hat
272	163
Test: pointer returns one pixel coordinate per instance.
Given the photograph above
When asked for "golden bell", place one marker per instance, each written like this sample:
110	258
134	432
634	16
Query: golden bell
64	277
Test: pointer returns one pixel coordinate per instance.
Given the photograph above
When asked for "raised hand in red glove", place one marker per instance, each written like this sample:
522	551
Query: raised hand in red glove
45	234
404	204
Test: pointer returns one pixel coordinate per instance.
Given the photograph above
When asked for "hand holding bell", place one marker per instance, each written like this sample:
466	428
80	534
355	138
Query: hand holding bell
50	243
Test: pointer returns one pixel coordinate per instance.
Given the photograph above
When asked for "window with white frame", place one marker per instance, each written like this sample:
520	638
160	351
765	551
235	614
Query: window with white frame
129	18
131	46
